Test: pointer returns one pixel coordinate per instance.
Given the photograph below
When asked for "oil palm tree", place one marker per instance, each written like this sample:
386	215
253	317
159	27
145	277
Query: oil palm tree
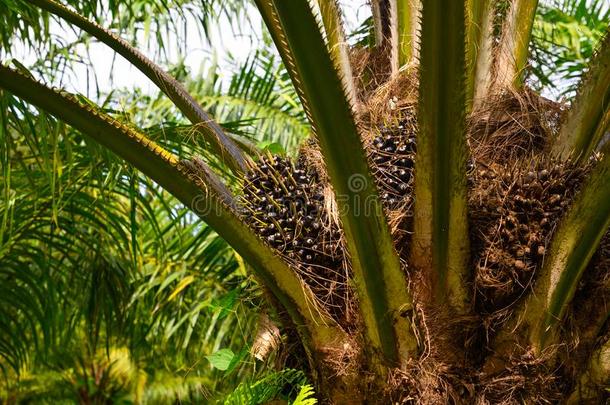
440	237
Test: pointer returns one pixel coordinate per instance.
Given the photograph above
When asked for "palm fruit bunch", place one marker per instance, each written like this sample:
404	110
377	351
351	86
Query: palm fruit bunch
285	203
514	213
392	154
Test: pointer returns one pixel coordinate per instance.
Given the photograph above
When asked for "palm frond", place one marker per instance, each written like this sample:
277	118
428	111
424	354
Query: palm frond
155	18
408	27
564	38
193	183
385	22
440	240
330	12
513	49
382	20
268	388
79	262
479	48
226	149
305	396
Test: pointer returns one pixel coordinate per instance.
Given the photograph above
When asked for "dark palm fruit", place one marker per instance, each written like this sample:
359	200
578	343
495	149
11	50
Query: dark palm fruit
284	203
393	156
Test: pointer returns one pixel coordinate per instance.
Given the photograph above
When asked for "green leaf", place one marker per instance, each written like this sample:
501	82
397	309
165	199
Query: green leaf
222	359
305	396
272	386
226	303
21	67
274	148
564	38
238	358
185	282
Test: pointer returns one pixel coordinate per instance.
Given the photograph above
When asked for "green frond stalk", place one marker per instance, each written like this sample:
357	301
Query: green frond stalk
440	238
513	48
337	44
380	282
589	116
408	30
201	191
225	148
479	49
572	247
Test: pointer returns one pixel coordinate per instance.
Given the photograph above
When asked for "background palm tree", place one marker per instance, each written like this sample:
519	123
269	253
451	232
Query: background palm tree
564	37
128	266
134	206
125	264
